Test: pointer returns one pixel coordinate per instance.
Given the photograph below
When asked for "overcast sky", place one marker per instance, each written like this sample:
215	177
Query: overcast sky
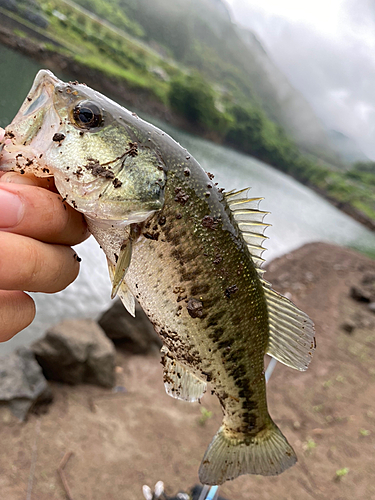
326	48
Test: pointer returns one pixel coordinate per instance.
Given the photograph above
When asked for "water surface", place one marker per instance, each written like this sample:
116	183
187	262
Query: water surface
298	215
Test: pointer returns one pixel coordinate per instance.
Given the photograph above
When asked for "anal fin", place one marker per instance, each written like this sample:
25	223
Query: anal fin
179	382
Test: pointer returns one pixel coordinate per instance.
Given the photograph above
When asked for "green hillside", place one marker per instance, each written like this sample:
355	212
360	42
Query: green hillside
188	56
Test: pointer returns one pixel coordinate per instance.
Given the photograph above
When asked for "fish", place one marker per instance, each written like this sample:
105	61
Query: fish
187	251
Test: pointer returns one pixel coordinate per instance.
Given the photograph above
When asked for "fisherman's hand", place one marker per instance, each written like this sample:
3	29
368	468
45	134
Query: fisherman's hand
36	232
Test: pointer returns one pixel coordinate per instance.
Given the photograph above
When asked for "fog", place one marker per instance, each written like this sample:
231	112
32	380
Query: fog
326	50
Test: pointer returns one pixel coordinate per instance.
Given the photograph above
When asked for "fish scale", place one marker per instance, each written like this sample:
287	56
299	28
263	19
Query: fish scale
188	253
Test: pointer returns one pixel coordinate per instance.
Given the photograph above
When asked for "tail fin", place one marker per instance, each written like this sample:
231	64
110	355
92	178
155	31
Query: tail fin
268	454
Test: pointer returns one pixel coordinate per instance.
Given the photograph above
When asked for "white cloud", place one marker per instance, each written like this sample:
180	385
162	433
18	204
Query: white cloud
326	49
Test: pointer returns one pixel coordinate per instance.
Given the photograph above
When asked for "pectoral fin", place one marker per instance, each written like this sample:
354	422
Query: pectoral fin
178	381
122	266
127	298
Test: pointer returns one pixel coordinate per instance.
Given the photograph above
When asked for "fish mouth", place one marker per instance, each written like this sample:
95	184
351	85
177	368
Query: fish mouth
38	100
29	132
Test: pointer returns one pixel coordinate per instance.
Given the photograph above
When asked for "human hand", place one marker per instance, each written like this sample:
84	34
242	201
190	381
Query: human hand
36	231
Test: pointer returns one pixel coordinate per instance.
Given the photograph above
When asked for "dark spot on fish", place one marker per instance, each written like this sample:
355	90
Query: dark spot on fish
195	308
210	176
221	190
9	135
207	194
74	204
116	183
210	222
218	259
22	171
29	99
58	137
208	375
162	220
216	335
187	171
209	186
231	290
214	319
152	236
116	258
181	197
81	133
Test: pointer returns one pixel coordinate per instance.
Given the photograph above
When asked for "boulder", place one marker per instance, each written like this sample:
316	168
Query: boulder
22	383
77	351
360	294
136	335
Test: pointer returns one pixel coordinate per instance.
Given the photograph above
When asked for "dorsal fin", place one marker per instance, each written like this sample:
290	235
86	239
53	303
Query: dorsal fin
250	222
291	339
292	333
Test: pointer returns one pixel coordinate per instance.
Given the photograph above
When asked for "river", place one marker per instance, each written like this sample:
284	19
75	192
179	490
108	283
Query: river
298	215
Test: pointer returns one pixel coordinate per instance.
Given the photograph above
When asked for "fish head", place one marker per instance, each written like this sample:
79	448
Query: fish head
97	151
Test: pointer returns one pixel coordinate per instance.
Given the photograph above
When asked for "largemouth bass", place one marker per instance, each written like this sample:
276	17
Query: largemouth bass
189	253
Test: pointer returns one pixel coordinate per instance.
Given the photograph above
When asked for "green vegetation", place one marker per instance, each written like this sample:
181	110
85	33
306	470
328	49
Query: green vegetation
240	109
205	415
341	473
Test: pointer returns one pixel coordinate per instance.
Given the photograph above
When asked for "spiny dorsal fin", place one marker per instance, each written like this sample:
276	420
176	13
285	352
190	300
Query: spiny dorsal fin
292	333
250	222
179	382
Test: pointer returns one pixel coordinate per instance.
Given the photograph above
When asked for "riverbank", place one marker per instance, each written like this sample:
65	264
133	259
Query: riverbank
121	441
145	100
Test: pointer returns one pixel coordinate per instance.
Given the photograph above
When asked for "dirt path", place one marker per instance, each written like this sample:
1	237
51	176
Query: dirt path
122	441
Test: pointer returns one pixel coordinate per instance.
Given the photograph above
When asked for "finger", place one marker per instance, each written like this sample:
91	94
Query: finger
29	179
17	310
33	266
38	213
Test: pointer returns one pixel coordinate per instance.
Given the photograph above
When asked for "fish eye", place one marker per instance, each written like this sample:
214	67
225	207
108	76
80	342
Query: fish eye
87	115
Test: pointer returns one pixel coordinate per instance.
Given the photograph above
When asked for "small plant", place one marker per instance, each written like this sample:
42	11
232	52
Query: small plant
327	384
309	445
341	473
205	415
364	432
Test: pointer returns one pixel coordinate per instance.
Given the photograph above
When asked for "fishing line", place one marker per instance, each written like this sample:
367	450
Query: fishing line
213	491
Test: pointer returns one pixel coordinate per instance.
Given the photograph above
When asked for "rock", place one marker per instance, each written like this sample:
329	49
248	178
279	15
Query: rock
77	351
359	294
348	326
136	335
22	383
368	278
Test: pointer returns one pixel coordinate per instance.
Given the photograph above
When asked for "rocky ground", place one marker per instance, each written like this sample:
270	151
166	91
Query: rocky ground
122	440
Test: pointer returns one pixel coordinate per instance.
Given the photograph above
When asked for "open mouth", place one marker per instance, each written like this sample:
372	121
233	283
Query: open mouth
29	135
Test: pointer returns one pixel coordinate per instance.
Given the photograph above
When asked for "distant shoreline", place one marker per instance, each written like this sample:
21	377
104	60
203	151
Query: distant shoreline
139	99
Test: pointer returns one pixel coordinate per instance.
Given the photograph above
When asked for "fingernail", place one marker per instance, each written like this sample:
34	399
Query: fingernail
11	209
14	178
